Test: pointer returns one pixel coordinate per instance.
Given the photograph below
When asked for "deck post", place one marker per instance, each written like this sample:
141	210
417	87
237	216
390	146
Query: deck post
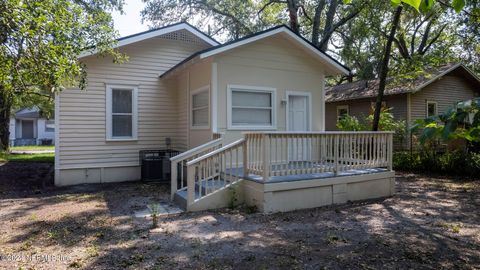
266	157
173	179
245	157
335	153
390	151
190	185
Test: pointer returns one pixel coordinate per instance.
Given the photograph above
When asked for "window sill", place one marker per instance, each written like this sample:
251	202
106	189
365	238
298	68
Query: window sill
122	139
248	128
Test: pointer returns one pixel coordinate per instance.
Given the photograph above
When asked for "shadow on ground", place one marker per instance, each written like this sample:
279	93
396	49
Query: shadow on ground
429	224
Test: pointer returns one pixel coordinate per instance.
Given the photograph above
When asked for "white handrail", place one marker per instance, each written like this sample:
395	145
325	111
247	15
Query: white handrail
185	156
214	152
317	132
196	150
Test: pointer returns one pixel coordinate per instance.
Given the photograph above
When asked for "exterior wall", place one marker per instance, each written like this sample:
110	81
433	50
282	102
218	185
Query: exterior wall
41	133
447	91
273	62
361	108
83	153
199	76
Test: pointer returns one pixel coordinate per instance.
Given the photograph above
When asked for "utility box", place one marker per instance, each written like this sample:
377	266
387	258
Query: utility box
155	164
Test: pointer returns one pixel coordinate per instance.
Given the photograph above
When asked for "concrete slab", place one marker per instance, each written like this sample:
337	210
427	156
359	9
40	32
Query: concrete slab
163	209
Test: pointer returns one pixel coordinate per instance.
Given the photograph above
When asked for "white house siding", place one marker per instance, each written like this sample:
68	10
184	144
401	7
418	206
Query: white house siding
273	62
84	155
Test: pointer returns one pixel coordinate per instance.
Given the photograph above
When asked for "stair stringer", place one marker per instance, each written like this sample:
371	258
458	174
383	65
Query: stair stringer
220	198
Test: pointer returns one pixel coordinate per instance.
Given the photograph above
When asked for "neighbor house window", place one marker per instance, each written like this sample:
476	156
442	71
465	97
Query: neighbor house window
50	126
121	112
431	108
199	108
342	111
251	107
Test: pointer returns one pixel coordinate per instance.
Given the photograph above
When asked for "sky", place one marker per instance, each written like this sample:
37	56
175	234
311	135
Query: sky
130	22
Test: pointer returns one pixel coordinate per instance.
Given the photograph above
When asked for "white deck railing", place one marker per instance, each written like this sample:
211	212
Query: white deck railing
264	155
293	153
179	162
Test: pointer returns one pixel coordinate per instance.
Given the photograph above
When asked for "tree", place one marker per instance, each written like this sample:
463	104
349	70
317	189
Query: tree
423	6
318	20
40	43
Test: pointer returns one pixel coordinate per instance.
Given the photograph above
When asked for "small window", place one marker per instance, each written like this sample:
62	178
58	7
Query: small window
50	126
342	111
199	106
251	107
431	108
121	112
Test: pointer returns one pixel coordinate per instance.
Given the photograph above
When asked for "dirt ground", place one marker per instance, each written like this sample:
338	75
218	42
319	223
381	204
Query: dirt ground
432	223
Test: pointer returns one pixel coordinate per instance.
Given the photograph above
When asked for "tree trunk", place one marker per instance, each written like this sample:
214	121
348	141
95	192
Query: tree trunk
384	68
293	15
5	108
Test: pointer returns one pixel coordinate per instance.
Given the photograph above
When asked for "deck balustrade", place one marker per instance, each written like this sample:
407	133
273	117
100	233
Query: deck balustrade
266	156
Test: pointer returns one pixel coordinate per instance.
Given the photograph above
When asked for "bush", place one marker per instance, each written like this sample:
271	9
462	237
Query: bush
455	163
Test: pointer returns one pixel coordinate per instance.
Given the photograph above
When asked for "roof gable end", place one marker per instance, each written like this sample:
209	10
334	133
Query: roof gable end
156	33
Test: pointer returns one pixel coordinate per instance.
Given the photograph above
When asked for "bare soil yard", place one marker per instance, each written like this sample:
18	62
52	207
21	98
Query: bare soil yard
432	223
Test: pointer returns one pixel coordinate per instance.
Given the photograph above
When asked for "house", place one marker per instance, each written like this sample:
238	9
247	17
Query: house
28	127
432	93
247	115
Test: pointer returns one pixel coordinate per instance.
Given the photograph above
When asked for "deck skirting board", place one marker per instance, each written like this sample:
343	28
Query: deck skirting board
295	195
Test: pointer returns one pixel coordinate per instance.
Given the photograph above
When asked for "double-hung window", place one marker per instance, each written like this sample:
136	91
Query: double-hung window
251	107
121	112
200	108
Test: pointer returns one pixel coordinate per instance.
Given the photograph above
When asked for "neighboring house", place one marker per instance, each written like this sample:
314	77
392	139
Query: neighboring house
28	127
427	95
248	114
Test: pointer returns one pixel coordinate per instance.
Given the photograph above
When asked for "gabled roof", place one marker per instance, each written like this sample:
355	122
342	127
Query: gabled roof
158	32
28	113
281	29
369	88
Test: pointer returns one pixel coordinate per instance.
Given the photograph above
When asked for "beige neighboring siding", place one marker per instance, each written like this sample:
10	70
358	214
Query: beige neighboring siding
360	108
83	146
273	62
446	91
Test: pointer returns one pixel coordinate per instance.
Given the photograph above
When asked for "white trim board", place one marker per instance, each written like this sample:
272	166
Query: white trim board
155	33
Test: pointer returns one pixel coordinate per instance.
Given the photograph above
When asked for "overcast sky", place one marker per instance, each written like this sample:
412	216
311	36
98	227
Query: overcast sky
130	22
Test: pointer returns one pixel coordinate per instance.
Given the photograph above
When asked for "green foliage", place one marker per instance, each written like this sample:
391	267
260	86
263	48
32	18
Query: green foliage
46	157
350	123
387	123
455	163
460	122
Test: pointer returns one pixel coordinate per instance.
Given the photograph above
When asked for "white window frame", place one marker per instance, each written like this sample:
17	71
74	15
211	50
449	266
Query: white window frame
109	122
252	89
200	90
426	107
342	107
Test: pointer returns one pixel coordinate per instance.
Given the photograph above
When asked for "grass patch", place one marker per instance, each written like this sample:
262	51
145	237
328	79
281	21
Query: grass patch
33	148
44	157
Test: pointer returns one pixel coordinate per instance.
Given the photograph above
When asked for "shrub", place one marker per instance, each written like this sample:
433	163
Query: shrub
455	163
